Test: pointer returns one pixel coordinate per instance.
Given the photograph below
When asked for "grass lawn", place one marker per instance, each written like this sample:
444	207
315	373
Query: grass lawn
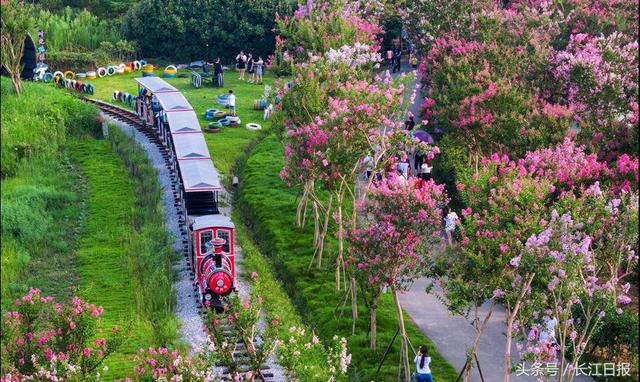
109	248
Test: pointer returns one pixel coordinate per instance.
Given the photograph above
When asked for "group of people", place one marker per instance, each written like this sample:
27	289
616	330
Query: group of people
252	65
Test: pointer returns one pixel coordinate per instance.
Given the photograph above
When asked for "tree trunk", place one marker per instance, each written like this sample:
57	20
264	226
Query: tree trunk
512	316
466	373
302	207
339	260
373	326
404	345
354	305
15	80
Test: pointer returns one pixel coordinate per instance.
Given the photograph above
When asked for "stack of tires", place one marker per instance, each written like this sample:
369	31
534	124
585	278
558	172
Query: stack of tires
170	72
147	70
223	100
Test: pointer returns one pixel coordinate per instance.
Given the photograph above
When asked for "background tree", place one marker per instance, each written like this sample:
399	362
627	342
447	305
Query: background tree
181	29
16	22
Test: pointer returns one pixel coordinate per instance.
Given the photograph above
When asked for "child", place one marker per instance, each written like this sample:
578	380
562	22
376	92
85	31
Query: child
232	102
259	69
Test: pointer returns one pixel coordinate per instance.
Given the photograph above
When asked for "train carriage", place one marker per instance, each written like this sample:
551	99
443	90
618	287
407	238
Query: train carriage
211	233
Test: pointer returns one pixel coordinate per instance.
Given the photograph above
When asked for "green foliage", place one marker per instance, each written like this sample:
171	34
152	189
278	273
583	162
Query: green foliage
73	30
15	24
267	207
181	29
101	8
40	123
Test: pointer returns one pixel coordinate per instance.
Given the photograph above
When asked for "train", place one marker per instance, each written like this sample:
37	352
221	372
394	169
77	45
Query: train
211	233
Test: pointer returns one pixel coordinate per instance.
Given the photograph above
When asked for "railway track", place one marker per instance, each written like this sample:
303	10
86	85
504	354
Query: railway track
130	118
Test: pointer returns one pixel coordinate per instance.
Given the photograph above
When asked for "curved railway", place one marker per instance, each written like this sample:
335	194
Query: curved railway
131	119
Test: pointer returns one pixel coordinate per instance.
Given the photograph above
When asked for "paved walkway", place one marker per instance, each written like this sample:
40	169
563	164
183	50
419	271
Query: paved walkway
453	335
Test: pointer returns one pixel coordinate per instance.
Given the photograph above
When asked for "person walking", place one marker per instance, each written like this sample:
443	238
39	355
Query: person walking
403	165
426	168
218	72
397	54
251	62
451	220
410	123
241	64
422	361
259	70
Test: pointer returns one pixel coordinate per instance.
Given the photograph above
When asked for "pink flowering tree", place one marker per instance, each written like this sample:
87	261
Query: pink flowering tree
394	244
42	339
511	201
580	272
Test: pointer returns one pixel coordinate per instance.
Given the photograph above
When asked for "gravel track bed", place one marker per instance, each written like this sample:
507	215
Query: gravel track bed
191	330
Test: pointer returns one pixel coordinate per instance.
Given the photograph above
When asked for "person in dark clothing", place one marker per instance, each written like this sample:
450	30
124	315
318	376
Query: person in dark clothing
217	70
410	123
397	53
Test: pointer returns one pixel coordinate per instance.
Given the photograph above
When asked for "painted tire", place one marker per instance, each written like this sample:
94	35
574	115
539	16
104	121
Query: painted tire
233	118
78	85
168	75
111	70
142	63
127	69
57	74
219	114
147	74
89	89
69	75
116	95
48	77
214	124
102	72
137	65
253	126
91	75
81	76
224	122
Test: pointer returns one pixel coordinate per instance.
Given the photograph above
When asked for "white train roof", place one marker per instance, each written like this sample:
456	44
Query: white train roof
183	122
173	101
190	146
155	84
199	175
208	221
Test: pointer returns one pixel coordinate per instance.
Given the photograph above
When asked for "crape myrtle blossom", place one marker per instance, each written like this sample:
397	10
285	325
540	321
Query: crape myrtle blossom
44	339
392	246
573	289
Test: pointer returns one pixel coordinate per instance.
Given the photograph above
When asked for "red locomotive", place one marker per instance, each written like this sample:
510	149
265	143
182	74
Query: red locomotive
211	233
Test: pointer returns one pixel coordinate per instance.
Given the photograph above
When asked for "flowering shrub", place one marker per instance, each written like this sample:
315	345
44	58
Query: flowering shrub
46	340
239	323
294	351
317	27
162	364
